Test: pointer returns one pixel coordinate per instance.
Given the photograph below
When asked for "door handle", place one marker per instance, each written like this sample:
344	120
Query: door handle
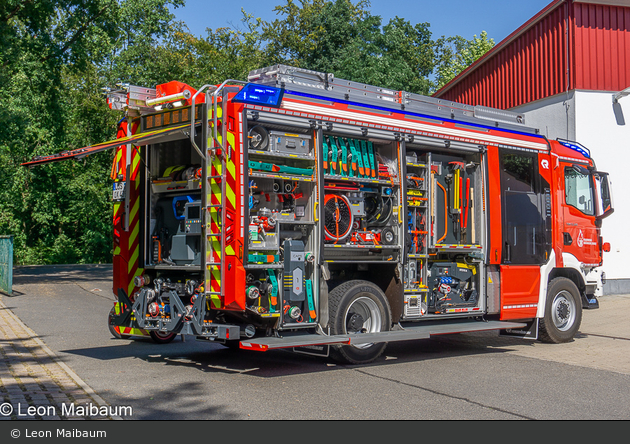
568	240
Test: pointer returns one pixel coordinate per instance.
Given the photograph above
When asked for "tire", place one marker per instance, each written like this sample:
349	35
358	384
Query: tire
563	312
162	338
355	307
112	328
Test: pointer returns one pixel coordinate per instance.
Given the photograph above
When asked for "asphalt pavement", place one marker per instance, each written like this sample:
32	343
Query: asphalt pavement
477	376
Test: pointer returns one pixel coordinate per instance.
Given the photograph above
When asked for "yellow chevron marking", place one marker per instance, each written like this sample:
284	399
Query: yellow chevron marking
138	272
230	194
133	259
231	168
134	211
134	234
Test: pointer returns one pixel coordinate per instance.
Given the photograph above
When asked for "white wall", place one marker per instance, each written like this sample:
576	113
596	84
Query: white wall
553	116
590	118
604	129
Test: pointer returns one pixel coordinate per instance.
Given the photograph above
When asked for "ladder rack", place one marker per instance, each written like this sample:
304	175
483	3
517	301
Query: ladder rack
298	81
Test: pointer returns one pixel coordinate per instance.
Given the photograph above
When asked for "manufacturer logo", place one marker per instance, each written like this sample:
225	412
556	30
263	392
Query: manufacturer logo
544	164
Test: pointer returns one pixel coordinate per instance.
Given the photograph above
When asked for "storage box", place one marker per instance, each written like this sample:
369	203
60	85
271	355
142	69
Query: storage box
288	143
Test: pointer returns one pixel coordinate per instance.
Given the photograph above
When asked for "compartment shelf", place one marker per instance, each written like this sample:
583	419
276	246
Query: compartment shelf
262	175
369	247
160	187
357	179
417	165
281	155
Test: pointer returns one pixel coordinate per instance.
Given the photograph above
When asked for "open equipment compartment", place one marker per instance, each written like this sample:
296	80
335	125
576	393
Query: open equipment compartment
282	243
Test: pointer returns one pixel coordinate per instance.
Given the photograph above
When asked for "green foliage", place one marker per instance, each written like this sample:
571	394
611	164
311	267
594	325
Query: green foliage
455	54
56	55
347	40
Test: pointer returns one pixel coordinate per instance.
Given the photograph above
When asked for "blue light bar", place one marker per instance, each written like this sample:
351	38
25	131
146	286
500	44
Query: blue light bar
576	147
260	95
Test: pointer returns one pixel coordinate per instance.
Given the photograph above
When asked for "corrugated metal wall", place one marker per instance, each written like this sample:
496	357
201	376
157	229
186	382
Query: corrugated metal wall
532	64
602	47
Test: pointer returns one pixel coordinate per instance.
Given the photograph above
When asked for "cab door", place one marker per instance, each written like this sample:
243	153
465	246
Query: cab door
580	234
525	230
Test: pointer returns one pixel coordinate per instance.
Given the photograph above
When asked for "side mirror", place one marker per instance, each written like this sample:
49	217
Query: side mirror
603	195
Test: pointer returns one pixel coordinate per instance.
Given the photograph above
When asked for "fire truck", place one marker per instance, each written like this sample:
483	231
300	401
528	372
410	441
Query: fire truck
301	211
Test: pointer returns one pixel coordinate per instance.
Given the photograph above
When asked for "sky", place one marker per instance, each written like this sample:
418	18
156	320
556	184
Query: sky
451	17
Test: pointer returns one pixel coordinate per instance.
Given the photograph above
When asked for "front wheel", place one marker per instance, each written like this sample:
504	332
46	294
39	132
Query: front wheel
563	312
358	307
162	337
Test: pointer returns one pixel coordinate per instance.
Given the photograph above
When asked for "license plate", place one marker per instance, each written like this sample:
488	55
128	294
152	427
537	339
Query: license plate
118	193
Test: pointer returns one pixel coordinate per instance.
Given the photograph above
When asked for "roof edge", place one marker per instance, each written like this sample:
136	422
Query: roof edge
481	60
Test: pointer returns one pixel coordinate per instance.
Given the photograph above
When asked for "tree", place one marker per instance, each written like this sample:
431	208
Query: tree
347	40
455	54
55	57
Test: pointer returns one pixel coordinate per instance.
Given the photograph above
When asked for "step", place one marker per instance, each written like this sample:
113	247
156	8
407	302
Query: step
420	330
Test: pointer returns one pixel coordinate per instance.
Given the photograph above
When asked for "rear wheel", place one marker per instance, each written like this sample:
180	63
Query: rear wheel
358	307
563	312
162	337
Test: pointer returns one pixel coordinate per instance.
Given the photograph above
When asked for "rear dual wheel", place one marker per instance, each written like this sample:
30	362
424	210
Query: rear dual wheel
355	308
160	337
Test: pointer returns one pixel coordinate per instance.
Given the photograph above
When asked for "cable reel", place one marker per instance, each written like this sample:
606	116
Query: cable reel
379	209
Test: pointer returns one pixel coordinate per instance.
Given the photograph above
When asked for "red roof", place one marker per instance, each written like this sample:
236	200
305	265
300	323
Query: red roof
570	44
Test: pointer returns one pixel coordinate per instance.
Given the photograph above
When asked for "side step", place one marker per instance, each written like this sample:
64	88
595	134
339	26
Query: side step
417	331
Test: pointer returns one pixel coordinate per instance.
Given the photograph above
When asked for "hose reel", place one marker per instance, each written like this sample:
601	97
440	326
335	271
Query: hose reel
258	138
338	219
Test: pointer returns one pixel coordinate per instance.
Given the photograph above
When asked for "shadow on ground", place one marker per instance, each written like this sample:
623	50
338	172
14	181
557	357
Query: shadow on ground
279	363
41	274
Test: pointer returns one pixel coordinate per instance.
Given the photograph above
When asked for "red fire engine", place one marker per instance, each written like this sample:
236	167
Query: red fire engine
302	211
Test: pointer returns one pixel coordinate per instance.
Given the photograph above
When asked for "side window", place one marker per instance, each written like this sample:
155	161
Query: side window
578	191
518	173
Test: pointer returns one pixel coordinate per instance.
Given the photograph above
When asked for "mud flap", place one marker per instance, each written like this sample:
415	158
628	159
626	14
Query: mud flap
529	331
123	317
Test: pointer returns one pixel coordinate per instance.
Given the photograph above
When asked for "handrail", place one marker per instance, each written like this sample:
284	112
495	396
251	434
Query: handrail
215	95
192	121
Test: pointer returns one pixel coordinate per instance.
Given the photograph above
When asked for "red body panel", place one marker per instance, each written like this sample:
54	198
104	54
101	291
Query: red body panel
520	287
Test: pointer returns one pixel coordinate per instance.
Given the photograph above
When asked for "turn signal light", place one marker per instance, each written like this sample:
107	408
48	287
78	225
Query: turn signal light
606	247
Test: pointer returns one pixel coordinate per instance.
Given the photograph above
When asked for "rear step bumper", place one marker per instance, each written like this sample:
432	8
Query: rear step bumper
417	331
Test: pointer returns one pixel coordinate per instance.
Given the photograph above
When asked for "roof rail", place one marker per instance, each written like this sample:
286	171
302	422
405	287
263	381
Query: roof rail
325	85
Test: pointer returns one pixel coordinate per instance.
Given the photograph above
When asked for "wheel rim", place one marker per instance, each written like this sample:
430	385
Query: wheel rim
163	334
563	310
363	316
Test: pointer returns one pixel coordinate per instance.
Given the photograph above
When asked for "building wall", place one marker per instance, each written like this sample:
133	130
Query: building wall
592	119
598	127
553	116
568	45
523	68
